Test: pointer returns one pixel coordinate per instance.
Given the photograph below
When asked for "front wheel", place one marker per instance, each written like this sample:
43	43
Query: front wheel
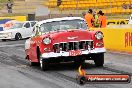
99	59
32	63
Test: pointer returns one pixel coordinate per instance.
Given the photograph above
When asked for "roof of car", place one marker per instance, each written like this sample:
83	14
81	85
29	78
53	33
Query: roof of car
59	19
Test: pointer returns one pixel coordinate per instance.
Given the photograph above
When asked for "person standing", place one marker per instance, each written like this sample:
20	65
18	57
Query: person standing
96	19
102	19
83	14
89	18
9	6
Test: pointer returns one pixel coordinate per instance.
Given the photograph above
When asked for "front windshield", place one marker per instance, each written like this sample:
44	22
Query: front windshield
17	25
63	25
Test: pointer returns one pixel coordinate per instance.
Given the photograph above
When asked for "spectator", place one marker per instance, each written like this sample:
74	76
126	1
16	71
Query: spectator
9	6
124	6
89	18
96	19
70	15
59	2
130	6
83	14
102	19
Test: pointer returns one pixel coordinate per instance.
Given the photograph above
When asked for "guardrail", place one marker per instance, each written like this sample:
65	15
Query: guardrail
117	39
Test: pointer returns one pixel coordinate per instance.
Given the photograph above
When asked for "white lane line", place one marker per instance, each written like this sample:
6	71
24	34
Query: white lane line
14	45
122	53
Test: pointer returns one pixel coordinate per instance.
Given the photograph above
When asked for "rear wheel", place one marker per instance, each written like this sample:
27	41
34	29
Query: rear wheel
99	59
30	62
3	40
18	36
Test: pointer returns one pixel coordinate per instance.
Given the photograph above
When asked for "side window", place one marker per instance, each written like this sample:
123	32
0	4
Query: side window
27	25
33	23
81	25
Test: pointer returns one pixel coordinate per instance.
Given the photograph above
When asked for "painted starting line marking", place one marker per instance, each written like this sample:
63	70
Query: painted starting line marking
14	45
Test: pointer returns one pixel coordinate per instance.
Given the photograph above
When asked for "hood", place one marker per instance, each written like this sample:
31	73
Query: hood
69	36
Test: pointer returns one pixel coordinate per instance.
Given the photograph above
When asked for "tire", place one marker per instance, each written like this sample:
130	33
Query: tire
18	36
32	63
43	64
3	40
99	60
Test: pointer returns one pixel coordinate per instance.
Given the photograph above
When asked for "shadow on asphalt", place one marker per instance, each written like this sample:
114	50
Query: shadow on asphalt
69	66
8	40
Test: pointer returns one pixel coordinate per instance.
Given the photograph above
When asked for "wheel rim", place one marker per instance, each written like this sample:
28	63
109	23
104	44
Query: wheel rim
19	36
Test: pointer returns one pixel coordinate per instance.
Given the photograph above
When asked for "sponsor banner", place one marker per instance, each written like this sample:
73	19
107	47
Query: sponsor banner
120	26
118	39
2	22
18	18
104	78
117	22
83	78
7	22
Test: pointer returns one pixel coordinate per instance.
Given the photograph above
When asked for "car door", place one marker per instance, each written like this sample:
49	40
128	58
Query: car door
33	45
26	30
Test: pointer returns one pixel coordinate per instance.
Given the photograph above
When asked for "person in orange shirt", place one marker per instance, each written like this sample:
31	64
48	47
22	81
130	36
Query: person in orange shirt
102	19
89	18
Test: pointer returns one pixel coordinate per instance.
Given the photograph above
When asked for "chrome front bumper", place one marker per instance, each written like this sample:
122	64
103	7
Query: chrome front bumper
66	54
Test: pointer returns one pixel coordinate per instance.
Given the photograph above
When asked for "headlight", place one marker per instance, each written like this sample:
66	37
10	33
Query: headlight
99	35
6	34
47	40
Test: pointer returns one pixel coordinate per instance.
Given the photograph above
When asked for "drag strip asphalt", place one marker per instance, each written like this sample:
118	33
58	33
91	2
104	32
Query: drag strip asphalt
15	71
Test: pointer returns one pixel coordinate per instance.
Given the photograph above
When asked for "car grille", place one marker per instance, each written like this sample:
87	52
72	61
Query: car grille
84	45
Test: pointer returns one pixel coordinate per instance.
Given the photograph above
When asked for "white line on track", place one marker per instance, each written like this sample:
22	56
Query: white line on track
119	53
13	45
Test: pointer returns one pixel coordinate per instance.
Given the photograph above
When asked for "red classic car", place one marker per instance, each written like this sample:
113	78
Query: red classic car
64	39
